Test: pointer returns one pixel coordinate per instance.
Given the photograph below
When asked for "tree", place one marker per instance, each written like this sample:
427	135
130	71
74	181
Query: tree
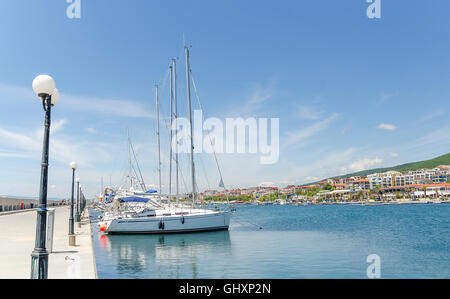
328	187
424	189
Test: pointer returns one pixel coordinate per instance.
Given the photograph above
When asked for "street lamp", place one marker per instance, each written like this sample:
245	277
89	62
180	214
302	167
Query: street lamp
74	166
44	86
77	214
83	201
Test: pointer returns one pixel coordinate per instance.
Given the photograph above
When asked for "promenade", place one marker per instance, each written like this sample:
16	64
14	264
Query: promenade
17	238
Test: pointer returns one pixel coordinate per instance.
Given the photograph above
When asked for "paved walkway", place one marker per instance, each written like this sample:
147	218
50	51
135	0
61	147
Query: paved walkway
17	237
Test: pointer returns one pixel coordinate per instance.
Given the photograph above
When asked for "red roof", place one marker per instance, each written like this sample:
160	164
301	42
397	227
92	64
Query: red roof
420	186
442	167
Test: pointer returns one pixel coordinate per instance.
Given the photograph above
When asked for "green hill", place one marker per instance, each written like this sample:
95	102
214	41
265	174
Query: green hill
442	160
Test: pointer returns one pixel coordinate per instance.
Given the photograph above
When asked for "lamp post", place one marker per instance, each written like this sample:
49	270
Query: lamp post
80	209
44	86
74	167
82	201
77	214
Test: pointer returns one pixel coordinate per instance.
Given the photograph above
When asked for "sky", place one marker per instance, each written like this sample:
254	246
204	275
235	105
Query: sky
351	93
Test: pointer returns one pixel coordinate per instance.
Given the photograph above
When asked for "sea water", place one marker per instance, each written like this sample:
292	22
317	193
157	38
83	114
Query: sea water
319	241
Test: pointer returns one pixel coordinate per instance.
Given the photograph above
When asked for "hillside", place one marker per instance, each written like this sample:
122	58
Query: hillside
442	160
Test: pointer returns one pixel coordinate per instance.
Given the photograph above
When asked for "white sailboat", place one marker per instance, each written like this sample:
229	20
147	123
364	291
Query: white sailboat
142	213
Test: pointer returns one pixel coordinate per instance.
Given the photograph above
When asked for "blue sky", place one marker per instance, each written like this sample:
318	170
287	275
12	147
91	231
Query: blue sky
351	92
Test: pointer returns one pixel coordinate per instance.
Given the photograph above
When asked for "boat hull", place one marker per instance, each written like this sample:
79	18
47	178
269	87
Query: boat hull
170	225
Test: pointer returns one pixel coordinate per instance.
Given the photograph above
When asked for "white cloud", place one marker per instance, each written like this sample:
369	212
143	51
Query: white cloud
388	127
303	134
260	94
62	148
122	108
432	115
345	131
266	184
327	164
437	137
57	125
9	154
90	104
309	113
19	141
312	178
91	130
387	96
362	164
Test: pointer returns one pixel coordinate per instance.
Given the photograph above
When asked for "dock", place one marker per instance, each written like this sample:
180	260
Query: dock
17	241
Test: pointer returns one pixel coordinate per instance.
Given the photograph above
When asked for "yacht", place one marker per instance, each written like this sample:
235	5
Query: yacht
151	212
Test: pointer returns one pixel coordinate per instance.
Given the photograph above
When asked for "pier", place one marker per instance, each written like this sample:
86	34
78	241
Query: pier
17	238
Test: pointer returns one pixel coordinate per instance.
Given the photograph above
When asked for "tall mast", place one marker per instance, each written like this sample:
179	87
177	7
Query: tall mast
171	121
188	86
159	141
174	68
129	160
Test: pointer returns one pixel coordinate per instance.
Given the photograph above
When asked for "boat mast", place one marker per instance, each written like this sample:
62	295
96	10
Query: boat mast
171	121
159	141
188	86
174	68
129	160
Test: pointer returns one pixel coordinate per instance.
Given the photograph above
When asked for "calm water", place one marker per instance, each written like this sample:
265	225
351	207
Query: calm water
413	241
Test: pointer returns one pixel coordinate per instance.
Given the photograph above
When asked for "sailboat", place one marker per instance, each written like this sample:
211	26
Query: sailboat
147	213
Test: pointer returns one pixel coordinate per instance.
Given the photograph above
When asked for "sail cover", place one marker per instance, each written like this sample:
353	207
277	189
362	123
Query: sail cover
134	199
151	191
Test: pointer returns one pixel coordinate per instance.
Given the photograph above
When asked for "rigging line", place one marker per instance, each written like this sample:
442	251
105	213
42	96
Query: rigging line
249	222
184	137
204	172
164	81
137	177
183	180
210	140
181	172
137	164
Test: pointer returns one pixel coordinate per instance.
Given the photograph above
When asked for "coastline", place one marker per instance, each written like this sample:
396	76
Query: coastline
363	203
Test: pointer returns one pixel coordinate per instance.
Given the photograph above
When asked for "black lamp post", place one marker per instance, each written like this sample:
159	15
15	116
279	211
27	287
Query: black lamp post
72	242
77	214
44	86
81	202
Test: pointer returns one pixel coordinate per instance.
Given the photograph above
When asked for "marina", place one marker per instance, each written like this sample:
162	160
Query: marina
318	241
194	142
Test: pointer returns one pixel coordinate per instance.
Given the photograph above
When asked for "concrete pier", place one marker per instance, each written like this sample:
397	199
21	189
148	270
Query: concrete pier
17	237
12	205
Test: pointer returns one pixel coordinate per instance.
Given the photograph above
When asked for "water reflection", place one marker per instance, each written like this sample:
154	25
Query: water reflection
162	256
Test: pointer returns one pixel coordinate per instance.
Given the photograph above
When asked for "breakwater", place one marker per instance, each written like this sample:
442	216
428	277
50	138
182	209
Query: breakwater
8	204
